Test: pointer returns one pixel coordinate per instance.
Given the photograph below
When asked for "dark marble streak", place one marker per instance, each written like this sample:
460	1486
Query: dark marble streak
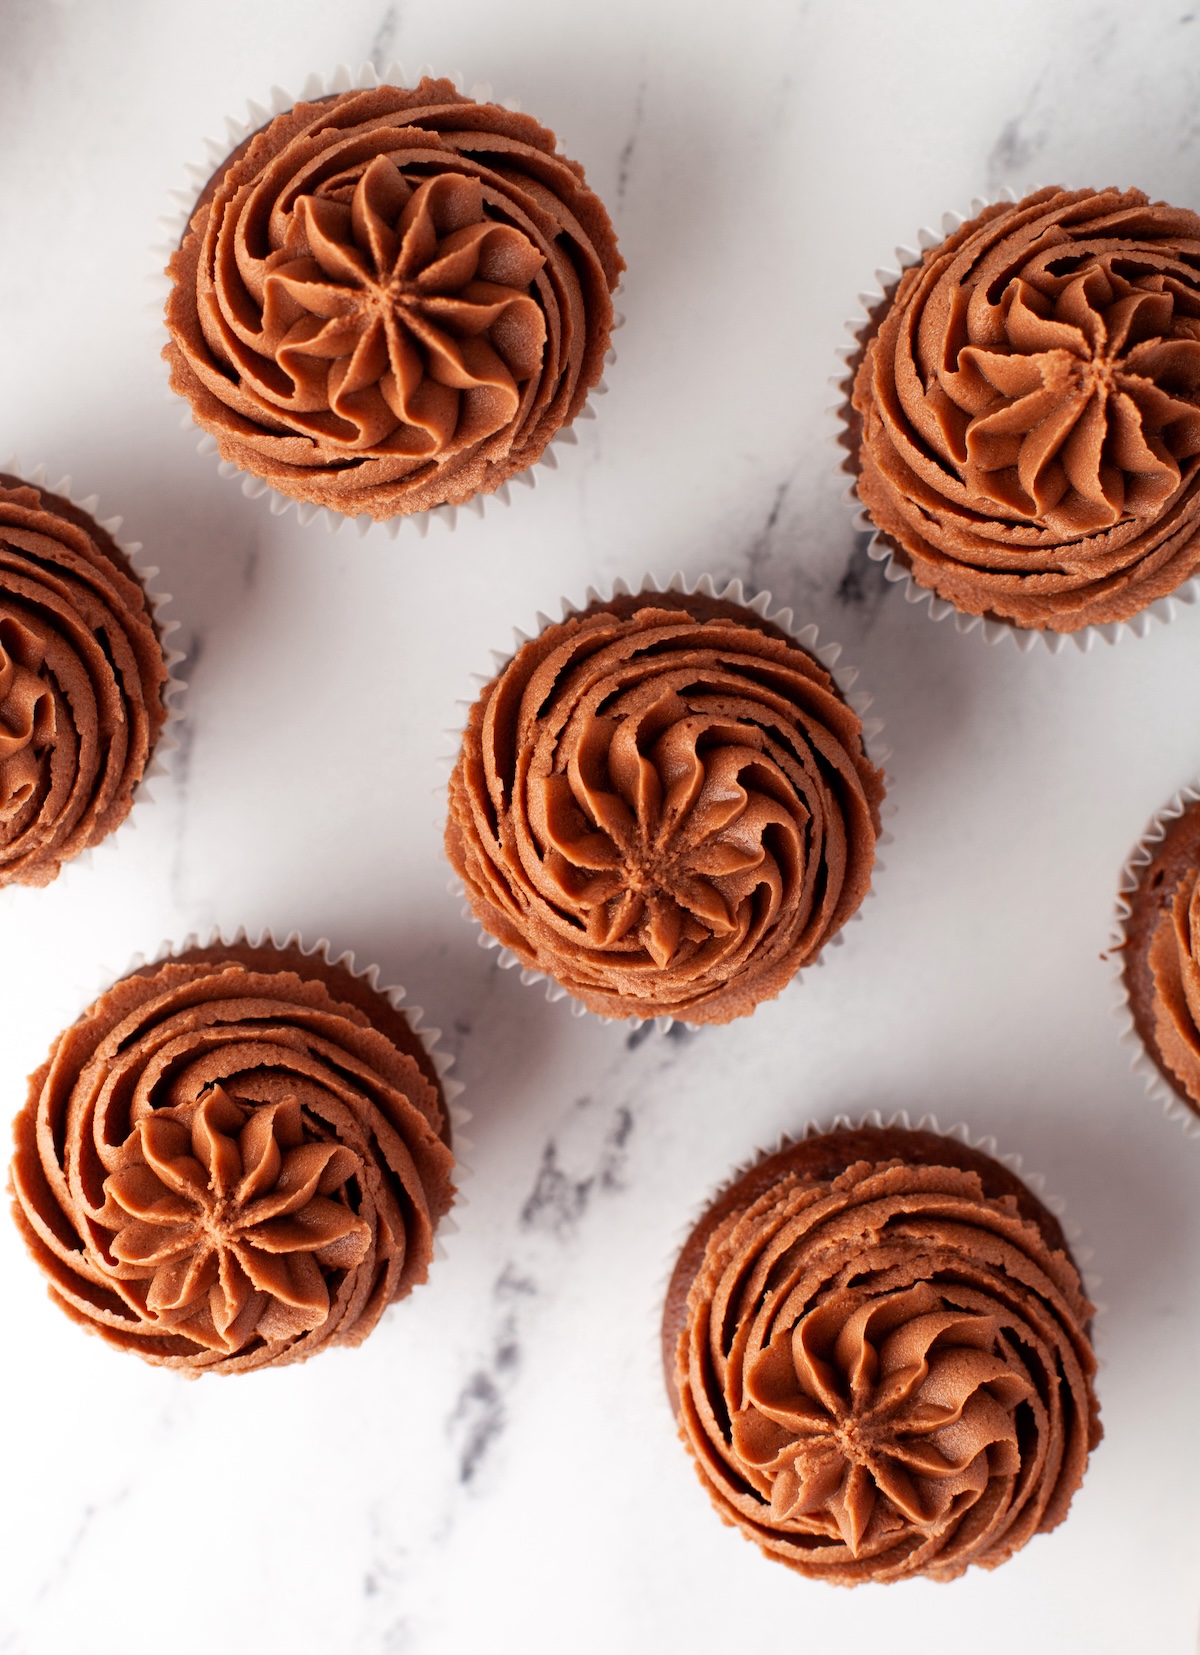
1079	61
638	1037
629	147
778	558
558	1203
250	568
179	764
551	1216
388	1571
479	1414
679	1034
383	45
864	586
1020	141
761	552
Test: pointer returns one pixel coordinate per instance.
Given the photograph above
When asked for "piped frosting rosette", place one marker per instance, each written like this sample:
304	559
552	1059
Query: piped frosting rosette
664	803
85	679
1023	415
1155	948
390	300
237	1156
878	1350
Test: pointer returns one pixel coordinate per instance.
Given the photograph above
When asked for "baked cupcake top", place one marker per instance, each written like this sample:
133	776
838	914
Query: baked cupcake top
877	1349
1161	967
1025	419
391	300
664	803
233	1159
82	679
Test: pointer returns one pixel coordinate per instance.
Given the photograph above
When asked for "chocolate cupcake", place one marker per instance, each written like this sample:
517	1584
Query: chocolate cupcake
1023	422
391	299
877	1349
664	803
1159	949
236	1157
83	681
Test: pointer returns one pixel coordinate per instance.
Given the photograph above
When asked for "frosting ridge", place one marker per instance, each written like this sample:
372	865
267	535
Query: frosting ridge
82	678
883	1371
226	1165
392	299
1026	414
665	805
1174	959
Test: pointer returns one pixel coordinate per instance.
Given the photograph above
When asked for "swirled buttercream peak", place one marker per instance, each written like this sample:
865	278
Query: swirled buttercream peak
392	299
83	681
882	1366
665	805
1025	417
233	1159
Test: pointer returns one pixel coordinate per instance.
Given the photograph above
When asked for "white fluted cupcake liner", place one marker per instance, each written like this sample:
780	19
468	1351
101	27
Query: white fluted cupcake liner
731	591
880	550
1158	1089
175	688
174	225
960	1132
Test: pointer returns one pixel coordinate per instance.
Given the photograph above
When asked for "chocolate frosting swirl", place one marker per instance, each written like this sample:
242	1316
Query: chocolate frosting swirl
1159	945
391	300
1175	964
664	804
82	678
885	1370
1026	416
233	1160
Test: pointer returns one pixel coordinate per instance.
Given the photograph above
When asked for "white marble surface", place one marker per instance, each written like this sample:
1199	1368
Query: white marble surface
496	1469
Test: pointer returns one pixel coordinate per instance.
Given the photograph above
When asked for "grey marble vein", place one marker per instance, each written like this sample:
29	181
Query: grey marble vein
625	161
385	42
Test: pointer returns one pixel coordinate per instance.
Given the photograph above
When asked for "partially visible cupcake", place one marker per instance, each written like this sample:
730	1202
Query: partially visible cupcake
235	1158
665	804
877	1349
82	682
1161	950
1024	415
392	299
